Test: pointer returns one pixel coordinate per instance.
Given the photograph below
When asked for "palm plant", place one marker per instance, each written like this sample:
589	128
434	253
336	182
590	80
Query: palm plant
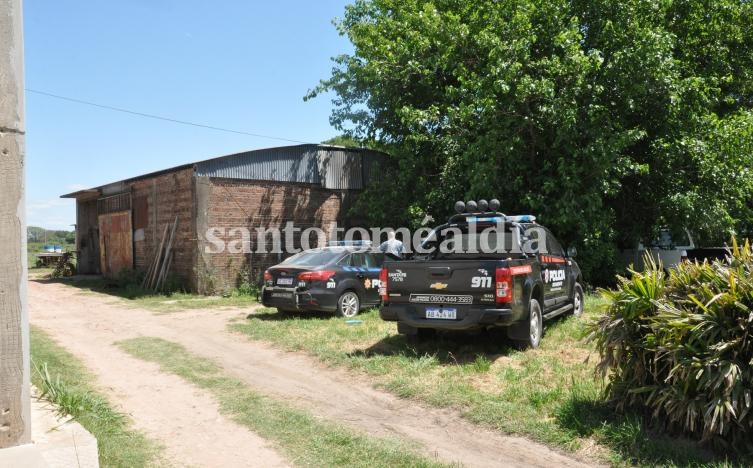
679	347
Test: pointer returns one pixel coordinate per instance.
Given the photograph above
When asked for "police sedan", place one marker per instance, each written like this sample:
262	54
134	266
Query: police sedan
337	278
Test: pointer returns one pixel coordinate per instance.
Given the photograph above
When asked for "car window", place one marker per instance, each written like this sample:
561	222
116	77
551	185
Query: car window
358	260
465	245
378	259
312	258
553	246
345	261
370	263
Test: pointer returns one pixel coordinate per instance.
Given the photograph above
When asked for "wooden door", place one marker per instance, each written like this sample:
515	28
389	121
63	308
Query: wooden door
115	243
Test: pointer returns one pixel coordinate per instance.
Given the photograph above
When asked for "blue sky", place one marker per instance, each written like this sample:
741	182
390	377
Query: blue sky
242	65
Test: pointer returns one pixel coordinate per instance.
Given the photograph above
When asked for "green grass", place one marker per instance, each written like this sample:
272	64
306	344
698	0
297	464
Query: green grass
133	296
549	394
305	440
64	381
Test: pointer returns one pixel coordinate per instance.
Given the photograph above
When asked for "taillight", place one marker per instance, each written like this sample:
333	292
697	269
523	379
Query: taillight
267	275
383	284
503	285
320	275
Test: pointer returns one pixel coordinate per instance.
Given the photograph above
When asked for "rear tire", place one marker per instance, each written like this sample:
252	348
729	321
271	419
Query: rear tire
348	304
528	334
415	335
578	300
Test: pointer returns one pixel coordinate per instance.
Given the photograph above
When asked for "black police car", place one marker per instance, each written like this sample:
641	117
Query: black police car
338	278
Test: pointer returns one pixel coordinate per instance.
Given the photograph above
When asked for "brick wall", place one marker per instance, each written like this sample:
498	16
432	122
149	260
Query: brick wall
164	197
228	204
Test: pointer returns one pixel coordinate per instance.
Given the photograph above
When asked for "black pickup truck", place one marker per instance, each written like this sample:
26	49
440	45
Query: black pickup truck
483	269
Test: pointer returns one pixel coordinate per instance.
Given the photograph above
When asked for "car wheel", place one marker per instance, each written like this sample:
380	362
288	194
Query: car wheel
578	300
534	328
348	305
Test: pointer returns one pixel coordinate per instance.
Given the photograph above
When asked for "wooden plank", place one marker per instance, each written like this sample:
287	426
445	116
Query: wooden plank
157	257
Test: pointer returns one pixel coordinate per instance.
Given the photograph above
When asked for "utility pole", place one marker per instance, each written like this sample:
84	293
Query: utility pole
15	424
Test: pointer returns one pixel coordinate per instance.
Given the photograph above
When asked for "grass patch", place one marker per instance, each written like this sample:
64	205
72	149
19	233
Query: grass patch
549	394
305	440
64	381
132	295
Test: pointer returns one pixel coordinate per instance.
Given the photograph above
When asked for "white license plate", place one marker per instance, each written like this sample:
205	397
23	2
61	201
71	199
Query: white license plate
441	313
285	281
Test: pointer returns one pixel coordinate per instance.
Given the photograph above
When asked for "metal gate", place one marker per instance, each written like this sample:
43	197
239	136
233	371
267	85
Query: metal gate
115	234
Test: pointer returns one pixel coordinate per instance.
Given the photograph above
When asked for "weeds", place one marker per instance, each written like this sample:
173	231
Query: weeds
63	381
308	441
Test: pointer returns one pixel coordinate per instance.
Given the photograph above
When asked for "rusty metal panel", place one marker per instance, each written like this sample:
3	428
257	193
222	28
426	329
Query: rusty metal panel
114	203
115	243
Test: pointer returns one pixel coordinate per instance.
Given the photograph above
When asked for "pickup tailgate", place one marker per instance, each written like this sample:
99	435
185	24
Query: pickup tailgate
461	282
453	294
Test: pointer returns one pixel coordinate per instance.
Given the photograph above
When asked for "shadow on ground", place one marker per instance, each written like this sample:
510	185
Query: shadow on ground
449	348
281	316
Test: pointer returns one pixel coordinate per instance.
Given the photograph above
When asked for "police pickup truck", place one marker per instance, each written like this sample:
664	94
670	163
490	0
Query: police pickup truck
483	269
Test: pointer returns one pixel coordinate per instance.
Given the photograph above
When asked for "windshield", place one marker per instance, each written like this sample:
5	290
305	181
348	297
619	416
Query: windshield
457	242
312	258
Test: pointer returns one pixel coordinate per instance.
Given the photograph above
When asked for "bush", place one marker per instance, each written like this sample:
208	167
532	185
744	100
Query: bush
680	347
246	289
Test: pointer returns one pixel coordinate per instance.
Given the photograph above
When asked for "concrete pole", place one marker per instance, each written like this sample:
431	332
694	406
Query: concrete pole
15	424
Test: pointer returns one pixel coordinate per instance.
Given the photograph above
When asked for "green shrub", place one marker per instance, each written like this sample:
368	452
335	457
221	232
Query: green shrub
680	347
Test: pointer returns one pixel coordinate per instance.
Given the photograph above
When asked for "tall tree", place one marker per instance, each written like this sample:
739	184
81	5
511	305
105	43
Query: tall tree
606	119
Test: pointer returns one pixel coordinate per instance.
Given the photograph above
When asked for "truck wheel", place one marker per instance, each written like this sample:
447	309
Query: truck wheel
348	305
528	334
415	335
577	300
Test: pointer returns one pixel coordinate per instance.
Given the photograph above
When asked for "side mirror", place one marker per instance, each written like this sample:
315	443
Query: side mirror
572	252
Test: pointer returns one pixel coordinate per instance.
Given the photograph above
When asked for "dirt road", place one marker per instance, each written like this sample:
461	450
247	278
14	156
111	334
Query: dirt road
186	420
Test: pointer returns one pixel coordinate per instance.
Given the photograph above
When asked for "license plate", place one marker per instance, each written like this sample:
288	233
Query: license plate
282	295
444	313
285	281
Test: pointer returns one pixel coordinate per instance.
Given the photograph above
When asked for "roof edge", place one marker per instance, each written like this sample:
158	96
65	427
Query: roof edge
99	188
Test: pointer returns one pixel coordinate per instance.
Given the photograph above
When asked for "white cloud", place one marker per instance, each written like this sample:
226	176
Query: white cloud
53	213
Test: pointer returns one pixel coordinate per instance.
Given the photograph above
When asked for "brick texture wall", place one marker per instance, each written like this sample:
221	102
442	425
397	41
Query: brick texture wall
228	204
164	197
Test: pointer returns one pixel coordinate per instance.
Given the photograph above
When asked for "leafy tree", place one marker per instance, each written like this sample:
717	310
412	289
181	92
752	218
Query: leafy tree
343	140
606	119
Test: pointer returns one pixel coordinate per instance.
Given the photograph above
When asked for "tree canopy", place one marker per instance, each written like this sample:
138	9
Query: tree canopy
607	120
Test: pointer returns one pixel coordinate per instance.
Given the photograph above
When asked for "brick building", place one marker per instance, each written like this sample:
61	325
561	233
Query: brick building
121	224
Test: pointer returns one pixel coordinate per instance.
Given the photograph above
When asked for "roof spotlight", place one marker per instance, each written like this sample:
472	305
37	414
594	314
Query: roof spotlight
494	204
483	205
472	207
459	206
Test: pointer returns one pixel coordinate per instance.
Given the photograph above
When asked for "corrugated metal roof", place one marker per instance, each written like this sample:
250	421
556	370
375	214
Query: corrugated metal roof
286	164
333	167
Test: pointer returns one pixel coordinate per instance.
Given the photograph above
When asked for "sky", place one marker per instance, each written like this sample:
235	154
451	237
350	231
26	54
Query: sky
240	65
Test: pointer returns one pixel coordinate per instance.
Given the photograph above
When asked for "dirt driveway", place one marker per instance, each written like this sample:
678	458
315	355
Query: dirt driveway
187	421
